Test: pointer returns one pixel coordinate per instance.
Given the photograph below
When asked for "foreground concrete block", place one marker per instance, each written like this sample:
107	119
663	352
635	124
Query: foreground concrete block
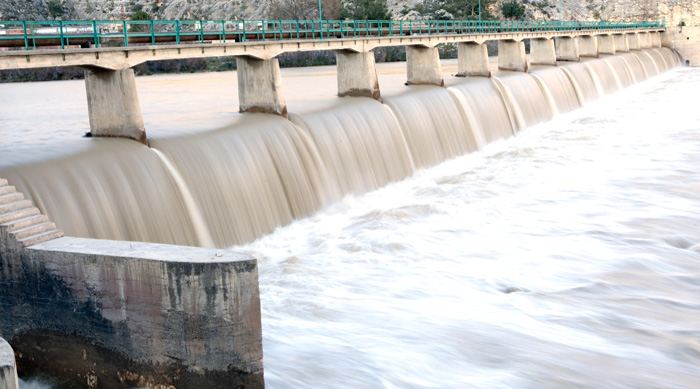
567	49
8	369
621	44
113	104
588	46
260	86
542	52
606	44
423	66
511	56
357	74
128	314
472	60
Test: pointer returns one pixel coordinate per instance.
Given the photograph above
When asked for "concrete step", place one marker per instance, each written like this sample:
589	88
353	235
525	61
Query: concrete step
16	206
20	224
42	237
3	182
16	215
11	198
34	230
7	189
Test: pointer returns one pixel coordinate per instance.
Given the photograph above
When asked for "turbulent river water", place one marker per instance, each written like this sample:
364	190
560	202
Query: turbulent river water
565	256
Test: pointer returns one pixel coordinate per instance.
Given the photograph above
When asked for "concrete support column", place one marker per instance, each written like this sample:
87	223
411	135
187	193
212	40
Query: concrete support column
588	46
260	86
567	48
633	41
511	56
423	66
113	104
542	52
644	40
472	60
621	44
8	368
357	74
666	39
655	39
606	44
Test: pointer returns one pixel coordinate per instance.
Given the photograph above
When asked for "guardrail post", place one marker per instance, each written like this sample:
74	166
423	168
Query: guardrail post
126	36
153	34
26	41
60	30
223	31
177	32
95	34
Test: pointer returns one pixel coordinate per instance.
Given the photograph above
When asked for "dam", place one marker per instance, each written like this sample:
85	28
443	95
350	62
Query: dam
186	188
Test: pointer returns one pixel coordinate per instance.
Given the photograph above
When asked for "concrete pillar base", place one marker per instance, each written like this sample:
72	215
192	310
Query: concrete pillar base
511	56
644	40
8	368
666	39
567	49
357	74
472	60
633	41
621	44
606	44
113	104
423	66
542	52
654	39
588	46
260	86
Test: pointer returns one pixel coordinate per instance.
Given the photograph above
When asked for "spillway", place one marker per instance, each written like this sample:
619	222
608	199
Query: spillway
236	183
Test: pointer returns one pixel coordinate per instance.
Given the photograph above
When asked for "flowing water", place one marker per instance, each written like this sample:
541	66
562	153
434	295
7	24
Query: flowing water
564	256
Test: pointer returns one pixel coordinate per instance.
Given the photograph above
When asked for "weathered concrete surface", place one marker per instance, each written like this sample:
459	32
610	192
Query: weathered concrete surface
511	56
633	41
686	41
8	369
606	44
260	86
357	74
96	313
588	46
423	66
473	60
542	52
667	38
655	39
567	49
113	104
621	44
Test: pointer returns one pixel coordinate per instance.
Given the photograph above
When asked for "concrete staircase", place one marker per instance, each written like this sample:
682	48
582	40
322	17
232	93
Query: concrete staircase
21	220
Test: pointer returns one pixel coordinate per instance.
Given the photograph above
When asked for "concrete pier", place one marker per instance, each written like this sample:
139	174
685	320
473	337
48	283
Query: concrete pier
567	49
511	56
667	39
644	40
357	74
113	104
686	42
588	46
260	86
655	39
423	66
621	44
633	41
542	52
472	60
606	44
8	368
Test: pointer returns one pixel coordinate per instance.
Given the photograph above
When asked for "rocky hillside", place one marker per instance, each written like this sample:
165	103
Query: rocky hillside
675	11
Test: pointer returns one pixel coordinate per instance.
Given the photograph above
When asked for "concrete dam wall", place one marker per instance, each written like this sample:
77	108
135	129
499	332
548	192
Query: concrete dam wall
232	185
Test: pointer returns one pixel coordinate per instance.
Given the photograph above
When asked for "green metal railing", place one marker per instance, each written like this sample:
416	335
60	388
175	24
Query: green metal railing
30	35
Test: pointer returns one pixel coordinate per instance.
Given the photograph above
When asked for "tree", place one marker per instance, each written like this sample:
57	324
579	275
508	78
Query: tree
365	10
454	9
512	9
